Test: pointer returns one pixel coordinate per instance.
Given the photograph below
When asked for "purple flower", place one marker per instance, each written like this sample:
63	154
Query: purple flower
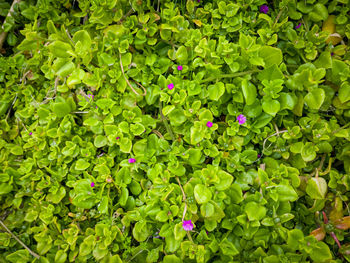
92	184
91	96
179	68
209	124
132	160
30	133
259	155
171	86
264	9
332	54
187	225
298	26
117	138
198	1
241	119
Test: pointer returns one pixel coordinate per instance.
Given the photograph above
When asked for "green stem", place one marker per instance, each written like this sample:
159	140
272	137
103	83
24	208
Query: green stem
344	127
232	75
166	124
189	236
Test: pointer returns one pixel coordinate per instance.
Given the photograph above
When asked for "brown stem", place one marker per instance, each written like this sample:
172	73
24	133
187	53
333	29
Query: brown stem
127	81
183	197
3	35
19	241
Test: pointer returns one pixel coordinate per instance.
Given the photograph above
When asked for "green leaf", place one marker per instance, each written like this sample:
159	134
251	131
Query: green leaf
295	238
60	49
216	91
61	109
228	248
271	106
179	232
177	117
60	256
254	211
196	135
140	231
21	255
125	145
207	209
171	259
315	98
344	92
249	92
100	141
63	67
225	180
320	252
270	73
202	194
286	193
5	188
181	54
317	188
83	37
271	55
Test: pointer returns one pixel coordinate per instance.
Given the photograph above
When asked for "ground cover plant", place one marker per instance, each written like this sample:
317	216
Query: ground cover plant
174	131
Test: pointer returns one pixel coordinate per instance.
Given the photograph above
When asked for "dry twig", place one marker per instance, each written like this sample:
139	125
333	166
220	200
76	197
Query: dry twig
19	241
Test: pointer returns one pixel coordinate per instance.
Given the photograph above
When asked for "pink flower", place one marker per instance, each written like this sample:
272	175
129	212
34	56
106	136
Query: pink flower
187	225
179	68
30	133
241	119
132	160
209	124
171	86
92	184
264	9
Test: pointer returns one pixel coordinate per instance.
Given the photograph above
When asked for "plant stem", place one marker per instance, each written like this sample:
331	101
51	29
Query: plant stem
183	198
344	127
19	241
3	35
232	75
127	81
166	124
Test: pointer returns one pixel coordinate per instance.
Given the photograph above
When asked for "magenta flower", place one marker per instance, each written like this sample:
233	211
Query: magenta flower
171	86
187	225
298	26
117	138
264	9
179	67
259	155
241	119
132	160
91	96
209	124
30	133
92	184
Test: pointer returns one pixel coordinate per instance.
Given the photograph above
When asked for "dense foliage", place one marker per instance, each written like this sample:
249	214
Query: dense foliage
175	131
